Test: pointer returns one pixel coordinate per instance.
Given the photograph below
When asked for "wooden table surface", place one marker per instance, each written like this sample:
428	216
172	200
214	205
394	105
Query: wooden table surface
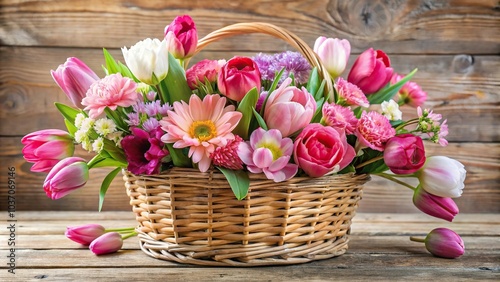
379	249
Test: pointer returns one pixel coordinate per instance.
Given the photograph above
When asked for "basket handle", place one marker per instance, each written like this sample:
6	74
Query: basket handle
273	30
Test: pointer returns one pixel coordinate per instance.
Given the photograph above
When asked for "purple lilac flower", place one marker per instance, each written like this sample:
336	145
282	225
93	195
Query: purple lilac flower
151	109
150	124
265	64
139	108
133	119
163	109
295	63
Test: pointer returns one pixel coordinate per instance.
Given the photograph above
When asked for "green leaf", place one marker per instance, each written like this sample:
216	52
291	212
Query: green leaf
319	111
175	82
238	180
111	64
385	94
313	82
68	112
246	107
71	127
319	94
105	185
259	119
178	157
116	153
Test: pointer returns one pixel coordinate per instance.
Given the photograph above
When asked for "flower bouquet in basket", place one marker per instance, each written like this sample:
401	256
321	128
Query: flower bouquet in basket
250	161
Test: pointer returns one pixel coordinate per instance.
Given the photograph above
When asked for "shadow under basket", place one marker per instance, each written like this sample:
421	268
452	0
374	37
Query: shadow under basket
191	217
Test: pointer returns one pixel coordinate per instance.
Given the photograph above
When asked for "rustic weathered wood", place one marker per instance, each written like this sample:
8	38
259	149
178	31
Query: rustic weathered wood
454	44
395	26
376	252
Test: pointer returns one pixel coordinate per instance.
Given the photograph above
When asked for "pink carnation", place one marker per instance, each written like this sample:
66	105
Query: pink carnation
112	91
351	94
410	93
339	117
205	69
374	130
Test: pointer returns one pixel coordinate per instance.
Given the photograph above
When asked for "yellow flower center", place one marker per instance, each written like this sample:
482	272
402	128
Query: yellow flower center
274	148
203	130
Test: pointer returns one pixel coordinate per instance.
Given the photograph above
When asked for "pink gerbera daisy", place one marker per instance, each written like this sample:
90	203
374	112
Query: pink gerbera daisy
200	125
112	91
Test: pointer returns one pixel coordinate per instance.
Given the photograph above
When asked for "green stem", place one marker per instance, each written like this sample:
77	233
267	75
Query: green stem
415	239
369	162
391	178
131	234
411	121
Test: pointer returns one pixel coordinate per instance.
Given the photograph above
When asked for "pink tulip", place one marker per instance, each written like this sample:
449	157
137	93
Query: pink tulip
46	147
268	152
238	76
444	208
404	154
84	234
108	243
319	150
445	243
74	77
66	176
334	54
442	176
181	37
371	71
289	109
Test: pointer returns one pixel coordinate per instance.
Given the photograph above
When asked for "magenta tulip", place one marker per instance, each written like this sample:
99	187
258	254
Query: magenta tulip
371	71
238	76
108	243
84	234
289	109
334	54
319	150
66	176
404	154
444	208
445	243
74	77
45	148
181	37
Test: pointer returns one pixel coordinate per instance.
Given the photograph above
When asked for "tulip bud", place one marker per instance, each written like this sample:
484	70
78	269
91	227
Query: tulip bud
334	54
444	208
445	243
404	154
74	77
67	175
148	60
108	243
442	176
238	76
181	37
84	234
371	71
46	147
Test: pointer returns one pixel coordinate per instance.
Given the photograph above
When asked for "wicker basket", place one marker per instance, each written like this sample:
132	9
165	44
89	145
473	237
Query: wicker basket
192	217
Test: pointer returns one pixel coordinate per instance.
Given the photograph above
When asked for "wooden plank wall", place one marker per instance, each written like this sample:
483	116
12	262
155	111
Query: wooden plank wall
455	44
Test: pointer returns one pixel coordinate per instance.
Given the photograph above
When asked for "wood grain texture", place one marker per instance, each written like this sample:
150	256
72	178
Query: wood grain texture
396	26
455	44
378	249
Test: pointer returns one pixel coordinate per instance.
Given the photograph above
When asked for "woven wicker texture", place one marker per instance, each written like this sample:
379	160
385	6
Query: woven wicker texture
192	217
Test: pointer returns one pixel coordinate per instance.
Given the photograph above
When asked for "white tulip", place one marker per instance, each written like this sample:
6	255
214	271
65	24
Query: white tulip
442	176
148	60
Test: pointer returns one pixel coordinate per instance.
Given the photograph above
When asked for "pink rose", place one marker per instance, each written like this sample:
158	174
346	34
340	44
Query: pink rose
319	150
201	71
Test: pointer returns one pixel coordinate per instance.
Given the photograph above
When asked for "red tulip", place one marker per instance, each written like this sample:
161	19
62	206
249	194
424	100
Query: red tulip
238	76
371	71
